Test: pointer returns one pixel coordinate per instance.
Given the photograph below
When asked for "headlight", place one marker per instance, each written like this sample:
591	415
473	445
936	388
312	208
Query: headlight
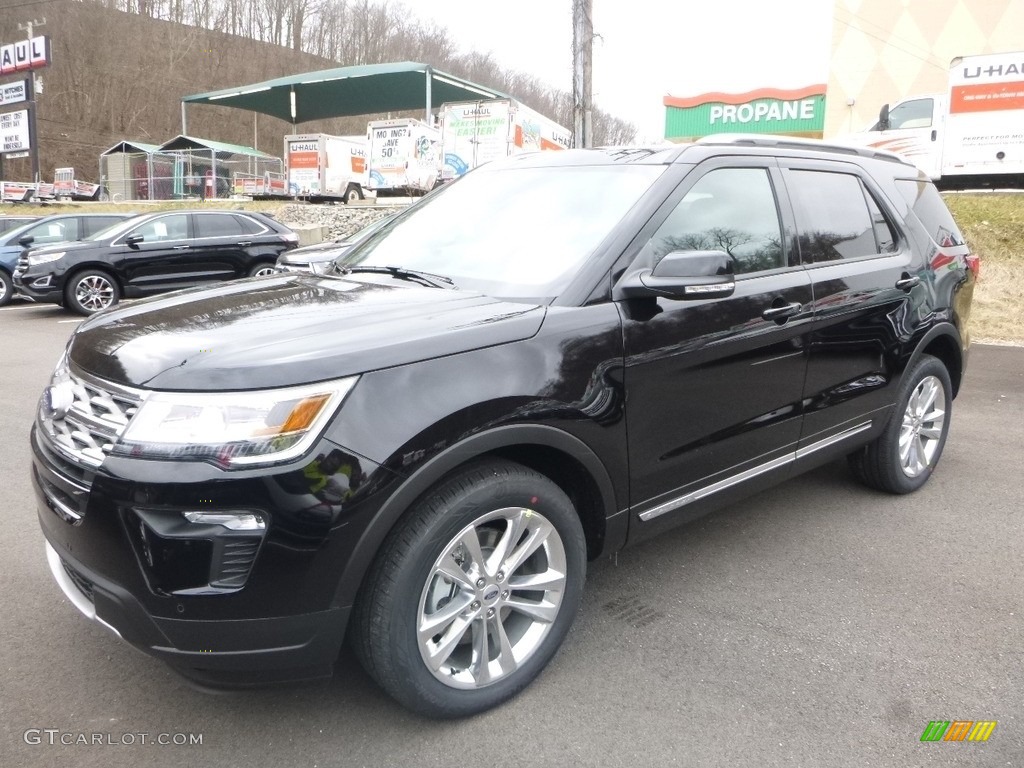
232	429
34	259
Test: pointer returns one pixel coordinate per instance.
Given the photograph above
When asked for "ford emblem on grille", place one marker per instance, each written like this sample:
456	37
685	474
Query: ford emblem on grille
58	399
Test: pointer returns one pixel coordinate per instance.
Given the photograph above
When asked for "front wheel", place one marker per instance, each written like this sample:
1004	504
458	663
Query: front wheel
903	457
6	289
473	593
90	292
263	269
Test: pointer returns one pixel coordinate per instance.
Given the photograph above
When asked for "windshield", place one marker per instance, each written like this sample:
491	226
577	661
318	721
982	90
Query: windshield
511	231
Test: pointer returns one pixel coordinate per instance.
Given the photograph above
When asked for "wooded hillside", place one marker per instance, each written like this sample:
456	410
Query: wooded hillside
120	68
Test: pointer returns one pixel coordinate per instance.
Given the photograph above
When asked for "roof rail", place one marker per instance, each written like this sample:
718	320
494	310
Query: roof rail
790	142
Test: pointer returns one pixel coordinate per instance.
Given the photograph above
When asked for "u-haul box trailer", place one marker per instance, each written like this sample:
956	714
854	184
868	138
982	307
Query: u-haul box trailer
403	156
476	132
325	167
973	134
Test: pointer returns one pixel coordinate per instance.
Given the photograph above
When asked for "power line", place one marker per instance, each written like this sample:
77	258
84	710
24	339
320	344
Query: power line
888	42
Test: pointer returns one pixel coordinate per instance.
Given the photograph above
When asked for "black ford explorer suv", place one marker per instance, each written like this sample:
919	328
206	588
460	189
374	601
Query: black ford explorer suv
552	357
150	254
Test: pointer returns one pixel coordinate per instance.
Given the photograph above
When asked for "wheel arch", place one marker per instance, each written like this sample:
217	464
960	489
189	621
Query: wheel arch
943	342
559	456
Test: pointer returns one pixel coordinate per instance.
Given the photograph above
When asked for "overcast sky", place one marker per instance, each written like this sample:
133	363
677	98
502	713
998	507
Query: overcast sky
649	48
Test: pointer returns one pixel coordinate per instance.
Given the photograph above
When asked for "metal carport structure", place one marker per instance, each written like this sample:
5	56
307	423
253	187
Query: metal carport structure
346	91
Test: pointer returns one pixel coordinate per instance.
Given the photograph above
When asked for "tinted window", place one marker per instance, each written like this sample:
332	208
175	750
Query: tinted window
93	224
173	227
832	215
911	114
731	210
250	226
927	203
885	232
53	231
217	225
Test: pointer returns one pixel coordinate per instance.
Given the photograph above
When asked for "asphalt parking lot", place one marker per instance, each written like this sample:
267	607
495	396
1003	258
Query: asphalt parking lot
816	624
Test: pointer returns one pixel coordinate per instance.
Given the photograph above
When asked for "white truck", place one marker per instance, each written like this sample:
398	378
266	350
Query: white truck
325	167
476	132
971	135
403	156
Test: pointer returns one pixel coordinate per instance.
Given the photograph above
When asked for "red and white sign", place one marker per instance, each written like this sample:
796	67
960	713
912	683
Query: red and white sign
25	55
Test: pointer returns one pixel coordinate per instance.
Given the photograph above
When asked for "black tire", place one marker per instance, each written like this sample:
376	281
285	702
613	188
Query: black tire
6	289
353	193
91	291
405	581
262	269
880	464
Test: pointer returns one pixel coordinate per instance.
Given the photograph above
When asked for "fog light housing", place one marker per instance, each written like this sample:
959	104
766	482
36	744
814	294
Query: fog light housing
233	521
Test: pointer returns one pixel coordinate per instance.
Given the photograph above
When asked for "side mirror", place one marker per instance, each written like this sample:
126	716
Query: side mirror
26	241
681	275
883	118
134	240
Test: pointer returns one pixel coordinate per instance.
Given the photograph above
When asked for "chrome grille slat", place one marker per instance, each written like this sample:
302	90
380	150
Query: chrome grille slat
98	415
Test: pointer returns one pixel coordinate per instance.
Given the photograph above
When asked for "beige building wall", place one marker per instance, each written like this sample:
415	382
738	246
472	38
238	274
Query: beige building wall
886	50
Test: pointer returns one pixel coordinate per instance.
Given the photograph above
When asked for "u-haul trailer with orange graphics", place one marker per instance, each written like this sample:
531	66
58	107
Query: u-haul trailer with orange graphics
324	167
476	132
403	156
972	135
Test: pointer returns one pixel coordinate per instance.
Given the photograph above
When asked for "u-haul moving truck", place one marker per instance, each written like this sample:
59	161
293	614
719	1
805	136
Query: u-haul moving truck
324	166
971	135
403	156
476	132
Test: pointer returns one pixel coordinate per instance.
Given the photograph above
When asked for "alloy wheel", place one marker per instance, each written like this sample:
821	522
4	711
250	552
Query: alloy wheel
921	431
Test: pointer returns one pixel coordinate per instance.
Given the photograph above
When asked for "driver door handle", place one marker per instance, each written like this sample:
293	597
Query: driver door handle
245	243
784	312
906	283
181	247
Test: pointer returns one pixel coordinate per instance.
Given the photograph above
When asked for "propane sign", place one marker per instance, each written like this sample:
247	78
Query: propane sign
14	131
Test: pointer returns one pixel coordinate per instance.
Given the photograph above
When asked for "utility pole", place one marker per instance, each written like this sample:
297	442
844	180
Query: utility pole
582	60
33	130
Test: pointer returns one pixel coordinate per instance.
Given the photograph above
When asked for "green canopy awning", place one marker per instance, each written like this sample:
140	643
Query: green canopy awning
184	143
363	90
128	147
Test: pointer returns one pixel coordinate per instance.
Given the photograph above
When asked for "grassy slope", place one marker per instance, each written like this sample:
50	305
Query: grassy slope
992	223
994	227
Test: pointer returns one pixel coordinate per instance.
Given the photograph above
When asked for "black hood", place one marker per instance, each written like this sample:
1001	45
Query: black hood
275	332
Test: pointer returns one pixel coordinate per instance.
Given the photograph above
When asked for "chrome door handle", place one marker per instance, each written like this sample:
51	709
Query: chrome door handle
784	312
245	243
181	247
906	283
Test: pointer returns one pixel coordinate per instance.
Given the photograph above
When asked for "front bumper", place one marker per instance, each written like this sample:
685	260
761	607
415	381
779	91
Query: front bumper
278	622
221	654
43	288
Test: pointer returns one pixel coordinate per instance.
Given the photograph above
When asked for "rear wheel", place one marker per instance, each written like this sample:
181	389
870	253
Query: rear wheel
6	289
473	593
89	292
903	457
353	193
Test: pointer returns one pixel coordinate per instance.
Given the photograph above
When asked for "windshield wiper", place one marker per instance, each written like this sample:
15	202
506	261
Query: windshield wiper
425	278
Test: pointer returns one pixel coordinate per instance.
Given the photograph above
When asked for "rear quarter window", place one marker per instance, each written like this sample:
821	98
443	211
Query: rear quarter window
929	207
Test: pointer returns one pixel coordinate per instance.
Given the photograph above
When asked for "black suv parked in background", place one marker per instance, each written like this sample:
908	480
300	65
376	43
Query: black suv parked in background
153	253
549	358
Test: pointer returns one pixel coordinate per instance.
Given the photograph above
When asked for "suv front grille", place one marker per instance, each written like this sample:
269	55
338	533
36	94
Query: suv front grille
22	264
98	415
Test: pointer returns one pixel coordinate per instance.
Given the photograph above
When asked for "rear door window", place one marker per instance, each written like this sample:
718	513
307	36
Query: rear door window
217	225
832	216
